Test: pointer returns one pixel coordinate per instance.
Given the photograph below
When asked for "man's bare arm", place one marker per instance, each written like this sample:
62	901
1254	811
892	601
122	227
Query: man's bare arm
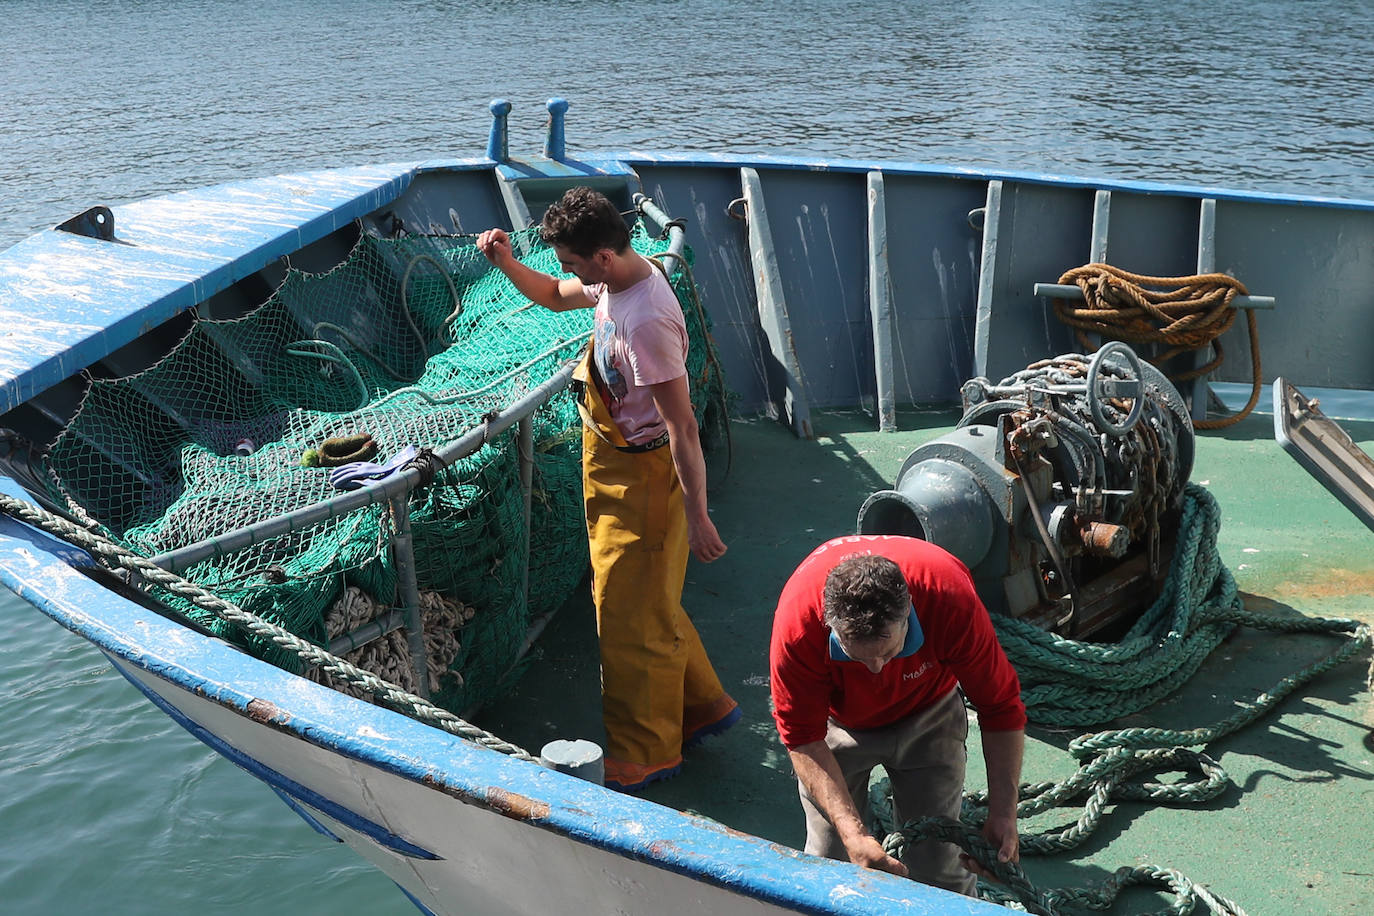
674	402
540	288
819	772
1002	753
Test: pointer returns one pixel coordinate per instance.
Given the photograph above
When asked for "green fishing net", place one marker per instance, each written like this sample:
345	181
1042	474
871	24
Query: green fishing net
412	340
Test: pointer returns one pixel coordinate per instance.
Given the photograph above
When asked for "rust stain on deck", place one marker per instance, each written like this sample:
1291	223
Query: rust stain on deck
1330	582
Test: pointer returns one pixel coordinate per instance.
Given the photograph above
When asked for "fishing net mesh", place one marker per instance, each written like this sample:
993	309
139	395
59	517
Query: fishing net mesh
411	340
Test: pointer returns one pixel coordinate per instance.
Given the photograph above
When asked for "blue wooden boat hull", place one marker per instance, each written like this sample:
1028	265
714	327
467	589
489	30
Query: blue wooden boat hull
456	826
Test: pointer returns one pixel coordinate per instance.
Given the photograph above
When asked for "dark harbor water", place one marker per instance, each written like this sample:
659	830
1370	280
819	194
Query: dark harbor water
108	807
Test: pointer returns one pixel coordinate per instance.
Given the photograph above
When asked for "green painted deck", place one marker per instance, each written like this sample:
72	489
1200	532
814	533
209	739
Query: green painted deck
1291	834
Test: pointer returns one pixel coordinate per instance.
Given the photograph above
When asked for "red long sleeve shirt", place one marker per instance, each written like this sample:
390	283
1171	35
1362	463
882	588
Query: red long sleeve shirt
960	647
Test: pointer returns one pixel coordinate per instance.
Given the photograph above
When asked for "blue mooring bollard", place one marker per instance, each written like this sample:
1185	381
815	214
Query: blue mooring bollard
498	143
554	144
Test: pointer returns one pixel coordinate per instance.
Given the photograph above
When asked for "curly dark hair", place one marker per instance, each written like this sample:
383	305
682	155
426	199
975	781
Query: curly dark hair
865	595
584	221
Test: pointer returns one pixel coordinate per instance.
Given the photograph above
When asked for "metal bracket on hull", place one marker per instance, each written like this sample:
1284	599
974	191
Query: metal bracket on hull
516	208
793	409
1325	450
95	223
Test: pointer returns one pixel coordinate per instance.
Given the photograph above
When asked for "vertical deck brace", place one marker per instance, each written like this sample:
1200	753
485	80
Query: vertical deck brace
880	303
516	208
1102	217
1206	264
793	408
403	549
1101	229
987	282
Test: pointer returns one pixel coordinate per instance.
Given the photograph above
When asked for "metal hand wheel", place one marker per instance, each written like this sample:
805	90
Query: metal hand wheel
1100	389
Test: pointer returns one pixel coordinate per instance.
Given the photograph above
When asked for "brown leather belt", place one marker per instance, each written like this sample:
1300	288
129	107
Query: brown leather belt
657	442
579	390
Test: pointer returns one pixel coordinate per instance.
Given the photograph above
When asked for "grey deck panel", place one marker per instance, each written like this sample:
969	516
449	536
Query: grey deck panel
722	271
820	234
450	202
1029	237
1318	264
933	260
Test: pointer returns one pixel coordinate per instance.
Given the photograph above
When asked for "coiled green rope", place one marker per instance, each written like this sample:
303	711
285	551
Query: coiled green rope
1065	682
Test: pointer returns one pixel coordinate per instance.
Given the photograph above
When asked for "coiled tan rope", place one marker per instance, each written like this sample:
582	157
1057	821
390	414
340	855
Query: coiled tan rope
1181	313
388	656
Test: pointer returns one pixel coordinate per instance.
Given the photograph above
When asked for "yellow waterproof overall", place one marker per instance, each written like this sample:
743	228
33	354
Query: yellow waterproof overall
653	665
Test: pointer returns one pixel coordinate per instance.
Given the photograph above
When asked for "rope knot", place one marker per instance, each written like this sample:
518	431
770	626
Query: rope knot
427	463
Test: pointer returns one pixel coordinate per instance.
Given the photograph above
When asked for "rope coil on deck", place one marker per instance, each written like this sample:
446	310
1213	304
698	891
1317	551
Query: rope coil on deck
1182	313
1016	890
116	555
1083	683
1077	683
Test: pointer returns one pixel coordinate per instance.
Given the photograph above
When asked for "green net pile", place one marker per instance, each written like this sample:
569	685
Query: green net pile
413	341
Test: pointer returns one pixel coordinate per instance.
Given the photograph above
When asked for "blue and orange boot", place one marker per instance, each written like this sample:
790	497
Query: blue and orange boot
624	776
708	719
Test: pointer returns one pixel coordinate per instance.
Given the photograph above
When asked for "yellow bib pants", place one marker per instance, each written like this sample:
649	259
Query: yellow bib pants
653	665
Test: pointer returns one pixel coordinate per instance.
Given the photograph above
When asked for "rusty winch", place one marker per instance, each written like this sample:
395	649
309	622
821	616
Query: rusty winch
1059	489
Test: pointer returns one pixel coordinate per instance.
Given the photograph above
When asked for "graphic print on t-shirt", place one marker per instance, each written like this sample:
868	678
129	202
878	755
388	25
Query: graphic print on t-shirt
604	354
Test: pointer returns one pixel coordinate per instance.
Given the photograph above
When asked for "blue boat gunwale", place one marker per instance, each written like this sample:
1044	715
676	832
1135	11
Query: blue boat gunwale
155	299
934	170
161	283
36	570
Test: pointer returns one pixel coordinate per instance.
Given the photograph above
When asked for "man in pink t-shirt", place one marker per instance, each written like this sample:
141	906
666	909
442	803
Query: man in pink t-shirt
640	340
644	486
872	638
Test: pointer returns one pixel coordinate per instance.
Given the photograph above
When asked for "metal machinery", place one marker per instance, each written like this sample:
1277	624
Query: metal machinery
1060	489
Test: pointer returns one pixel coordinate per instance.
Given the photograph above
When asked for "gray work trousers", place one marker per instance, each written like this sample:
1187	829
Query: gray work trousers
924	756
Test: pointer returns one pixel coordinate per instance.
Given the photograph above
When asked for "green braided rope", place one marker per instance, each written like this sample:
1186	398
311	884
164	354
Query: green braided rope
944	829
1015	888
1102	895
399	699
1114	760
1066	682
332	353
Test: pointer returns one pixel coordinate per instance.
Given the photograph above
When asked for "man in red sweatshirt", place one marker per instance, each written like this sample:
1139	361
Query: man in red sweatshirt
872	640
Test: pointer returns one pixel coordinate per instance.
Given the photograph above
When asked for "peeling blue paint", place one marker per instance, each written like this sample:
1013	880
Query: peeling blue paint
68	300
284	785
